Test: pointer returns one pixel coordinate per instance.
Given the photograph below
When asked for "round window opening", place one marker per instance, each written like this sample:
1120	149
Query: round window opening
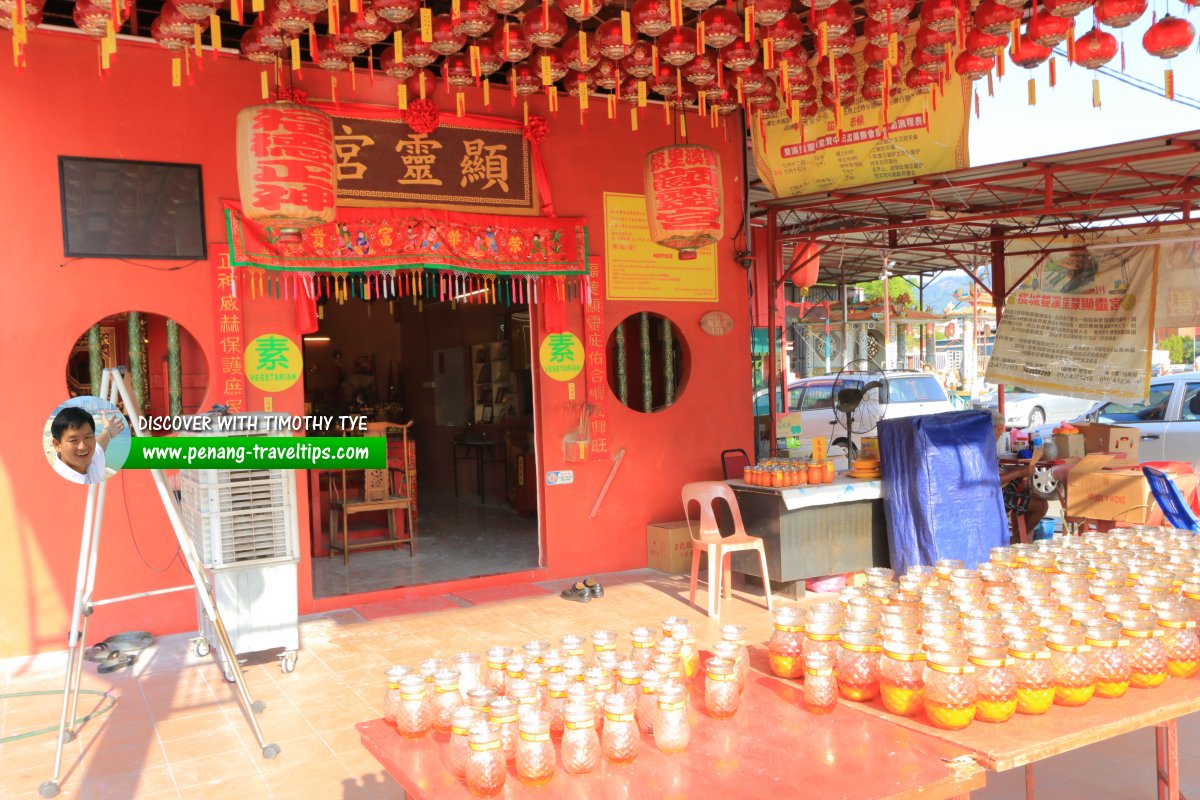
647	362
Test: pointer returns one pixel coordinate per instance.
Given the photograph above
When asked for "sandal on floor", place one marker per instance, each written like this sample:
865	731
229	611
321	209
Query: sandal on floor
116	661
579	593
131	641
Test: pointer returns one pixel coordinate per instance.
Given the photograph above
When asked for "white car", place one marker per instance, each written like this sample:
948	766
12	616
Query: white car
1169	421
1030	409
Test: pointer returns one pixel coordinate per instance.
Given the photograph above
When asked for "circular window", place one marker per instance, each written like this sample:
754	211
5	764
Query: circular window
164	366
647	362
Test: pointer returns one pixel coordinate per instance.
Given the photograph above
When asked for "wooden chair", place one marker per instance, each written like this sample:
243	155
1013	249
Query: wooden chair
379	493
706	537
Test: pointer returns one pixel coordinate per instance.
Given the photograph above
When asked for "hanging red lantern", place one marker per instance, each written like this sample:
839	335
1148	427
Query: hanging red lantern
557	65
878	33
894	12
973	67
610	40
785	34
795	58
752	78
677	46
764	95
1119	13
666	81
456	70
33	16
393	68
313	7
837	18
993	18
1095	48
842	43
254	50
702	71
721	27
843	66
873	82
1168	37
369	28
490	61
739	55
284	16
421	85
697	5
934	42
545	26
606	73
345	43
475	18
918	78
575	79
396	11
328	57
684	206
418	53
928	62
640	61
1030	54
939	15
286	173
725	102
524	79
506	6
177	24
628	93
651	17
842	95
806	93
983	44
93	18
510	43
196	9
577	59
768	12
1066	8
688	99
446	40
579	10
169	38
1048	30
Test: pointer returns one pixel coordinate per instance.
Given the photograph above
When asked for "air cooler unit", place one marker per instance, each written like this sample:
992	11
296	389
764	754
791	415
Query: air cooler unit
244	526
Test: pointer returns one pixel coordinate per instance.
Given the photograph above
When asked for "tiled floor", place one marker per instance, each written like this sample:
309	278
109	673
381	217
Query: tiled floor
176	732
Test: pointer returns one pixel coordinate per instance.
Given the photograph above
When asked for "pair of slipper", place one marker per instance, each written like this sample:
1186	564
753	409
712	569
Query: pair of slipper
583	591
118	651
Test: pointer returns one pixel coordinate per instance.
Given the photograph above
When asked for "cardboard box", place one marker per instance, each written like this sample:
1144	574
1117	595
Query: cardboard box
1101	438
1070	446
669	547
1120	494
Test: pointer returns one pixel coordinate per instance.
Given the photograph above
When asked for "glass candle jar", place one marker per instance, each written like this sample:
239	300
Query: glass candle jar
1147	656
486	768
571	645
504	716
391	698
736	634
995	684
534	651
949	687
481	699
1003	555
603	642
668	666
525	694
574	667
601	683
642	651
820	683
535	751
1179	637
556	700
580	748
689	655
537	674
620	737
459	747
721	696
785	650
943	567
1031	668
1109	658
647	704
431	666
671	648
446	699
552	660
515	670
496	676
581	694
629	681
901	674
414	714
672	732
858	662
468	666
669	624
1071	663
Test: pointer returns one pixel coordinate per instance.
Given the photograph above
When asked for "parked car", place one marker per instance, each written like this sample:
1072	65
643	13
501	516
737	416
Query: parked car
1169	421
1024	409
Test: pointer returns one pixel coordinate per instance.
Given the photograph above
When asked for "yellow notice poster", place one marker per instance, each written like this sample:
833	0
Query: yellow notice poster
639	269
812	157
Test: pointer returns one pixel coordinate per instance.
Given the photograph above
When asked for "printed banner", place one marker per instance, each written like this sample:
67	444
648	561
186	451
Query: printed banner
373	239
638	269
228	344
382	161
925	135
1081	325
1178	286
596	372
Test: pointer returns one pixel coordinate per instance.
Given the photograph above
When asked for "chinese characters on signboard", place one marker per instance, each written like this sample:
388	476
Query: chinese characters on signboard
273	362
286	165
382	161
683	195
596	369
635	268
227	317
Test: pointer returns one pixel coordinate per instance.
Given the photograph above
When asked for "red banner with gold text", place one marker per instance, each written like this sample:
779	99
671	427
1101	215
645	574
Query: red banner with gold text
596	364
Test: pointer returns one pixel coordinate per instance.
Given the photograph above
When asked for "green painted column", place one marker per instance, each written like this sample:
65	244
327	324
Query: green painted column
137	369
622	364
95	358
647	388
668	350
174	369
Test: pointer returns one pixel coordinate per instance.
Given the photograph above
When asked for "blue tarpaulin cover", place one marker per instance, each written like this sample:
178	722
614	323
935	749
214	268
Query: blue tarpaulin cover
941	488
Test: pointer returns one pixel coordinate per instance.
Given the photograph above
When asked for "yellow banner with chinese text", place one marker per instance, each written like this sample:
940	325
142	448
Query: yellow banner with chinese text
638	269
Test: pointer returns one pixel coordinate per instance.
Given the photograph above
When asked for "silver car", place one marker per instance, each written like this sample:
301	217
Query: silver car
1030	409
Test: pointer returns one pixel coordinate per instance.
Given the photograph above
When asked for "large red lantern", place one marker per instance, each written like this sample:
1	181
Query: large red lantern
1119	13
890	11
557	66
640	61
545	26
993	18
666	82
725	103
677	46
874	55
651	17
837	19
475	18
490	61
721	27
580	59
739	55
1048	30
345	43
169	37
579	10
284	15
928	62
983	45
418	53
607	72
795	58
702	71
610	41
198	9
1168	37
575	79
456	69
511	43
684	198
254	50
1095	48
1066	8
285	160
446	40
936	43
524	79
918	78
940	15
1029	54
752	78
328	57
842	43
393	68
396	11
972	67
369	28
786	33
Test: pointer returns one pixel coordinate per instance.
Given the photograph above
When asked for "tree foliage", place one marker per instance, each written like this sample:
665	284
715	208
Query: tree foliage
1180	348
898	288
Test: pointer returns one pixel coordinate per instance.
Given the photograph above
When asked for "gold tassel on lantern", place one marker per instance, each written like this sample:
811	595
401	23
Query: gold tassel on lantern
547	78
748	26
421	84
1071	42
333	89
641	94
487	93
353	76
214	33
626	34
700	38
1169	83
552	96
823	39
460	104
295	48
1053	73
769	54
476	70
235	11
427	27
1032	92
667	114
266	85
991	90
633	120
176	72
683	124
612	106
525	112
402	97
257	6
1095	93
332	17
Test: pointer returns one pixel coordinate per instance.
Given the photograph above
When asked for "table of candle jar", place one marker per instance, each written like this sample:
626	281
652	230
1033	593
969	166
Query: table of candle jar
770	747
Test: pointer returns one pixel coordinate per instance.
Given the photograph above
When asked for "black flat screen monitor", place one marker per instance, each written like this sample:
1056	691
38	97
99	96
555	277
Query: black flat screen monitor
131	209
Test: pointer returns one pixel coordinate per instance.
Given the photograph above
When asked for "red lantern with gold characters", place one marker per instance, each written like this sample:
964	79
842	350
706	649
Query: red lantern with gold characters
640	61
684	197
972	67
1168	37
545	26
396	11
1095	48
768	12
446	39
651	17
609	40
721	27
417	52
285	160
1066	8
1048	30
475	18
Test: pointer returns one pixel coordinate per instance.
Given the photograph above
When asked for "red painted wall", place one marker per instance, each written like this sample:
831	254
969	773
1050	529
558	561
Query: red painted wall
59	106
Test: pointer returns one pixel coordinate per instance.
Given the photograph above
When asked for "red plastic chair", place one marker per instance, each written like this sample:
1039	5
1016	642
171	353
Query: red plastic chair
734	463
706	537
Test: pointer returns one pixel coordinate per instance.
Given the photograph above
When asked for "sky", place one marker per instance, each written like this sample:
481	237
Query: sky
1063	120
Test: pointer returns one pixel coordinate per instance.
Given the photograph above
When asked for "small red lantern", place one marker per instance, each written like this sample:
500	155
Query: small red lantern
940	15
421	85
579	10
1066	8
558	66
446	40
33	18
739	55
721	27
524	79
983	44
628	93
611	42
1119	13
805	93
283	15
879	33
973	67
285	160
345	44
873	80
934	42
764	95
890	11
606	74
396	11
688	99
725	103
1048	30
511	43
651	17
194	9
768	12
328	57
575	79
697	5
786	33
928	62
752	78
254	49
993	18
177	24
417	52
640	61
677	46
842	43
1030	54
475	18
490	61
393	68
369	28
795	58
684	205
702	71
844	95
837	18
1168	37
843	66
545	26
169	37
577	59
456	70
506	6
666	81
93	18
1095	48
918	78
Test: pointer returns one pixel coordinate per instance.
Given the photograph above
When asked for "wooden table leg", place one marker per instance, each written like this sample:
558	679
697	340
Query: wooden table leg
1029	782
1166	752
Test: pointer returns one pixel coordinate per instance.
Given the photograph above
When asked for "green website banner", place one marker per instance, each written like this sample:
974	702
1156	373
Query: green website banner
257	452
